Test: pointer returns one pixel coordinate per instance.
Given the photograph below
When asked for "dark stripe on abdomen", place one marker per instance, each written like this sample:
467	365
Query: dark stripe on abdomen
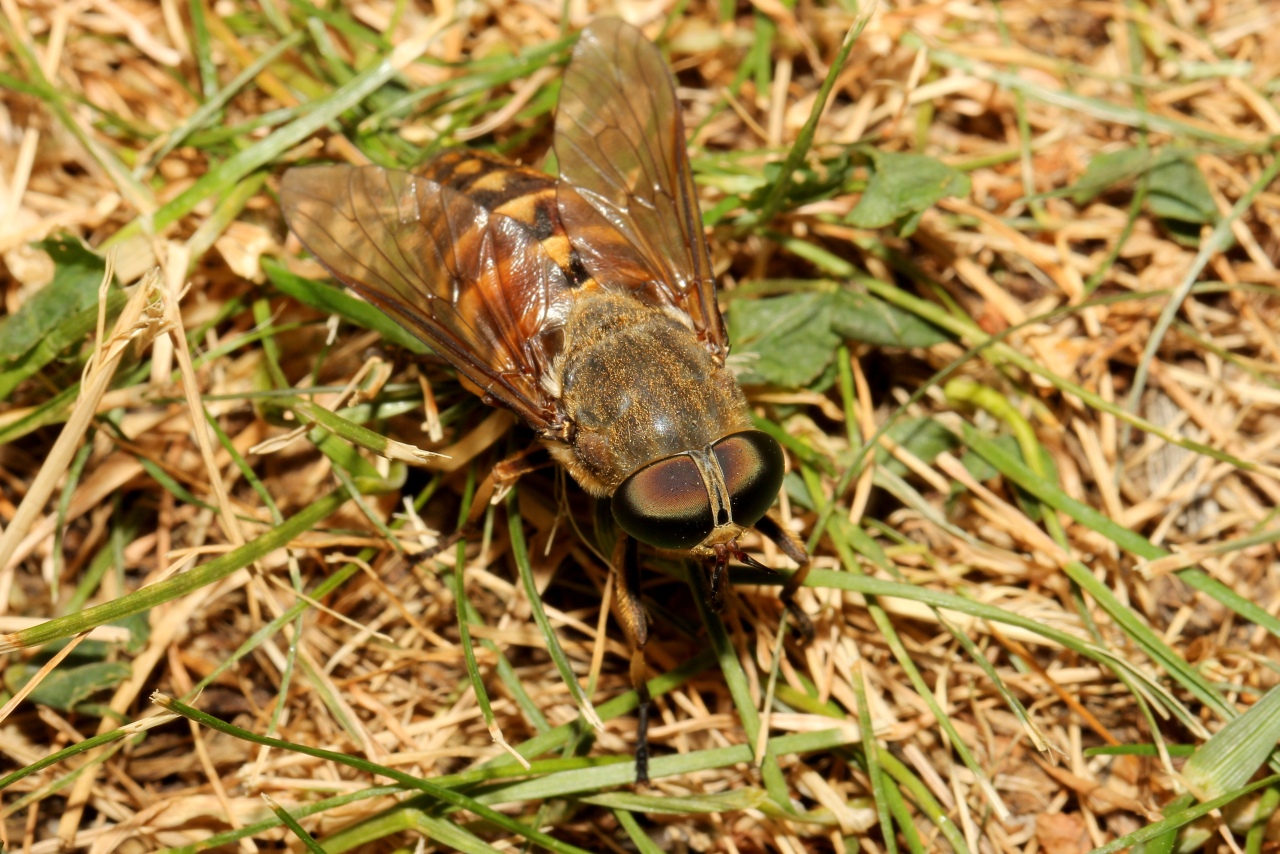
523	194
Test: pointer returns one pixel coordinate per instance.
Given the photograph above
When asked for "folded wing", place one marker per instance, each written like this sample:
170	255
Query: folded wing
624	173
476	286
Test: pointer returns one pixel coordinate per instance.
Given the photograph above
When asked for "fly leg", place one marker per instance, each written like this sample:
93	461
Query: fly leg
719	572
630	613
500	478
794	549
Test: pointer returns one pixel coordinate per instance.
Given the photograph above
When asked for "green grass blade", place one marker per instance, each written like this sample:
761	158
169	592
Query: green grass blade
428	788
736	680
804	140
179	585
520	551
226	174
1234	753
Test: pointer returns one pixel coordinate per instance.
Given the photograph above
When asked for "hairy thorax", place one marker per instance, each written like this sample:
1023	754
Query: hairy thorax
638	386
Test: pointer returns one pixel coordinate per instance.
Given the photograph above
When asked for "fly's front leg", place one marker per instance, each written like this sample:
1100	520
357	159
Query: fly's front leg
630	613
503	476
719	565
500	478
791	546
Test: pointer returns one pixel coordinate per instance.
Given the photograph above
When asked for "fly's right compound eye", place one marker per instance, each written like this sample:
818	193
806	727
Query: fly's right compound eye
753	465
665	504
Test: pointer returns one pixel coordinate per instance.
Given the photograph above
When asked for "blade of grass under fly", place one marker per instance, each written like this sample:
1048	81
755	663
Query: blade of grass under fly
618	706
871	752
469	616
520	551
464	610
736	680
839	533
745	798
566	778
593	775
406	818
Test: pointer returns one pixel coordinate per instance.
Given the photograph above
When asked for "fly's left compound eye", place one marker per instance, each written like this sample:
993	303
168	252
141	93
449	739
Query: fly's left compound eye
665	504
753	465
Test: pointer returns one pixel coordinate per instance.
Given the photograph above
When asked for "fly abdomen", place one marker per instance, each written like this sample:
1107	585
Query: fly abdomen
523	194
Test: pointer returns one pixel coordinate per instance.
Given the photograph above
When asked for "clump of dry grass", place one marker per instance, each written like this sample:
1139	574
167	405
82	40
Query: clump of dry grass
1045	529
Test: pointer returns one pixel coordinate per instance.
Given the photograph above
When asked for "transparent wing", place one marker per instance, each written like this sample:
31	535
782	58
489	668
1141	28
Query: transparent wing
623	169
477	287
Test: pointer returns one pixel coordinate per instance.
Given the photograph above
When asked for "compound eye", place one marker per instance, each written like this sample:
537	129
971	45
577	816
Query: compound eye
753	465
665	504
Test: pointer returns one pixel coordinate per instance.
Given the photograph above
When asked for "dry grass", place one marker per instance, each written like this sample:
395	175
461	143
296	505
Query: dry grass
1136	369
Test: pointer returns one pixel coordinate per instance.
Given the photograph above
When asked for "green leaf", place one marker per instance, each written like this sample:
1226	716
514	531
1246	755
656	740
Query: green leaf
1177	190
924	438
797	491
139	628
74	288
170	483
978	468
982	470
331	300
862	317
67	687
1107	170
785	340
71	330
1227	760
809	182
902	185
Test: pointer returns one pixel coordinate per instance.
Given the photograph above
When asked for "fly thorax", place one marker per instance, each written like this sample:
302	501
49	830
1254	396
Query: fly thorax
639	387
